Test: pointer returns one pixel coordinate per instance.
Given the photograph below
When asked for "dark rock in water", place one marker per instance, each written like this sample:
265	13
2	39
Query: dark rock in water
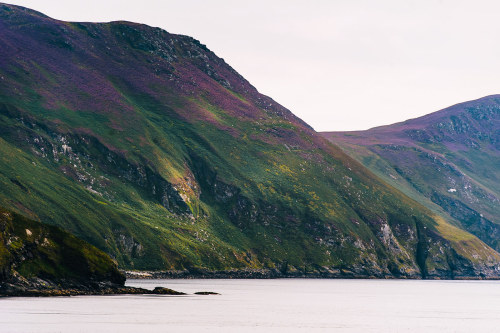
206	293
166	291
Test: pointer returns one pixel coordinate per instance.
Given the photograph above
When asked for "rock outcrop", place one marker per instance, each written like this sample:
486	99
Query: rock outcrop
37	259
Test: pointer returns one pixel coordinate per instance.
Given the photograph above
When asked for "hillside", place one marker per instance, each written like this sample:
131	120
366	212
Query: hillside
448	160
150	147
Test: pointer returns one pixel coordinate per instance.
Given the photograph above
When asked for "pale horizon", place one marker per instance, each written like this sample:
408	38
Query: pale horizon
338	65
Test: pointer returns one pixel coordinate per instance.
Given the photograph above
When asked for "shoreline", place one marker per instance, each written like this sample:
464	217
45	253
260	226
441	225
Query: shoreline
276	274
52	290
85	292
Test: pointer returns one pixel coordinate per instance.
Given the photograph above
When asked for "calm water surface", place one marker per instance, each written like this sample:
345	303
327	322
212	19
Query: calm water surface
283	305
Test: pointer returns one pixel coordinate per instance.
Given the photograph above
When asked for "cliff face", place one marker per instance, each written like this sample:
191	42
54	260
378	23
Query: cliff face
448	160
38	256
150	147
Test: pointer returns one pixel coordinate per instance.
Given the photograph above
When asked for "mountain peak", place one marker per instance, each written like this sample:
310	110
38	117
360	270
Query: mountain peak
9	10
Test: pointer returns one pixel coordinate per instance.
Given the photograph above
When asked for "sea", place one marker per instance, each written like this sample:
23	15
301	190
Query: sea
275	305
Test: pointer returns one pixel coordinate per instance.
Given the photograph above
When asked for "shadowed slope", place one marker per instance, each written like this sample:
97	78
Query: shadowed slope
34	255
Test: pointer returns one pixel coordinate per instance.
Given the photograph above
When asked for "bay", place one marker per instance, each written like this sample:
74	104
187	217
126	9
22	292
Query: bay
281	305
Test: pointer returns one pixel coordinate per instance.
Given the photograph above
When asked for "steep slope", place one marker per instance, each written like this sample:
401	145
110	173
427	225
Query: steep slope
33	254
152	148
448	160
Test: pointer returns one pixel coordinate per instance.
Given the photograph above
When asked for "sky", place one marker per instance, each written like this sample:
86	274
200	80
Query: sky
339	65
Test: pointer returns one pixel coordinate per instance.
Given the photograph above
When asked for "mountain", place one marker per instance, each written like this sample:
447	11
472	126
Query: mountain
153	149
448	161
38	256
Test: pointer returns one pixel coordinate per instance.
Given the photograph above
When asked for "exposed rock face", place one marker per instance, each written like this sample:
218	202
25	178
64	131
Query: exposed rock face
153	149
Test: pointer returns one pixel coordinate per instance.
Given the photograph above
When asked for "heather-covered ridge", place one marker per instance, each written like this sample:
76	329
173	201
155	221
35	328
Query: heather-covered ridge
150	147
448	160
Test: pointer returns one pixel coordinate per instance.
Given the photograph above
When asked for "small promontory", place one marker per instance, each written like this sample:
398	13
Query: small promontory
38	259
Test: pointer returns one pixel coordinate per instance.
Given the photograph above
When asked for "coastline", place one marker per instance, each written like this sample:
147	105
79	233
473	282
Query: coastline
41	288
276	274
86	292
37	287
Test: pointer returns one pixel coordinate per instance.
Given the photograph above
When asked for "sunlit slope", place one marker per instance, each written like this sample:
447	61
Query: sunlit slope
152	148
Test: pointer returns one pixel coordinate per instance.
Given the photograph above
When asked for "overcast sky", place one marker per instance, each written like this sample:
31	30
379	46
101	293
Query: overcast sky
338	65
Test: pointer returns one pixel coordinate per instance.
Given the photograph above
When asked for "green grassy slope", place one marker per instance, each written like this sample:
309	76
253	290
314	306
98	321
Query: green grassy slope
155	150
